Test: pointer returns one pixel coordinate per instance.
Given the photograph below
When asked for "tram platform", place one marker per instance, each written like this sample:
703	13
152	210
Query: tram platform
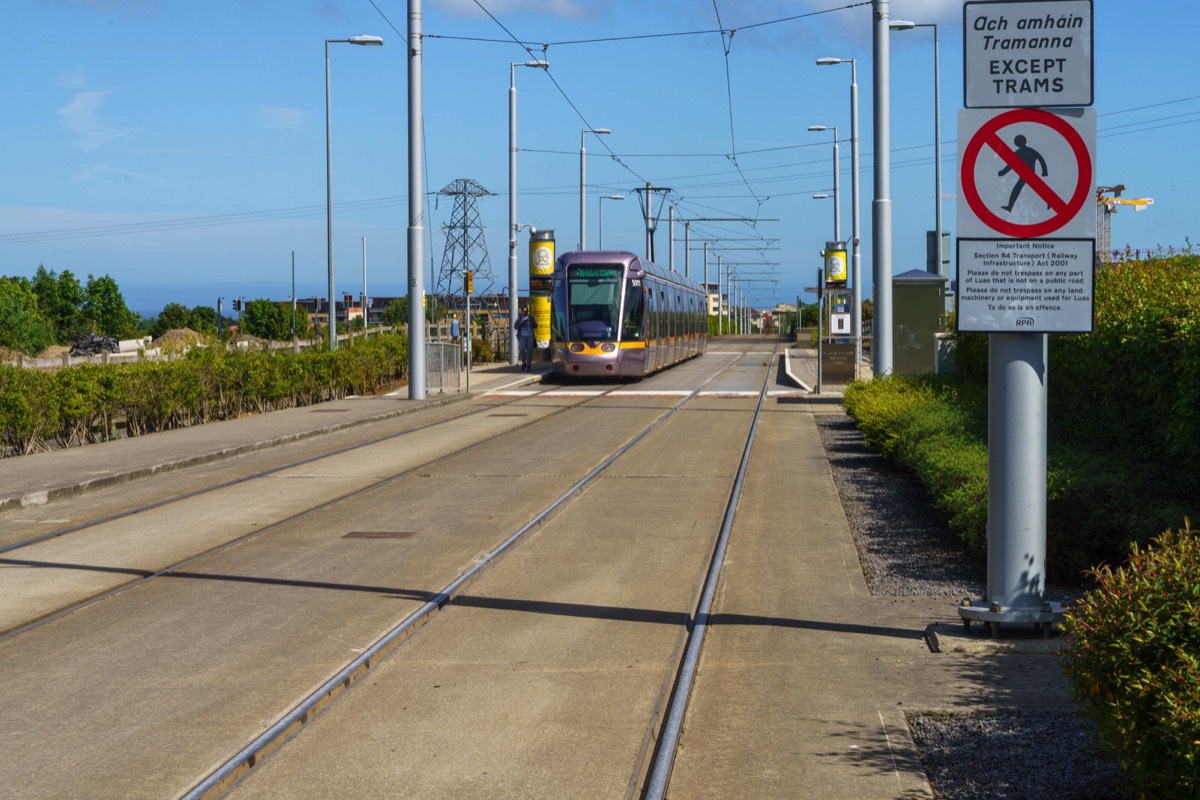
806	678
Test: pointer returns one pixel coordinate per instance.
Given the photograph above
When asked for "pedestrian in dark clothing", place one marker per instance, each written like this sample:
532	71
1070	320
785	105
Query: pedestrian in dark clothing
525	326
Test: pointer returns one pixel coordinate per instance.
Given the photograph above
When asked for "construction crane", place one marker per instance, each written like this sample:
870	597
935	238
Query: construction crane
1108	201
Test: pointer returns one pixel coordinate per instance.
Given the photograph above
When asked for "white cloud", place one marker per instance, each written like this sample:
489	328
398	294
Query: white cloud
104	170
80	117
281	118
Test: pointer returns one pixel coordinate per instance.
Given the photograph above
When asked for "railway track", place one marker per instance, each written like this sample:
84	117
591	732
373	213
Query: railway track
482	437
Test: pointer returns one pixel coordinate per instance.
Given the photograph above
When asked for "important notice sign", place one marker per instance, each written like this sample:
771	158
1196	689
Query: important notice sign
1026	285
1027	53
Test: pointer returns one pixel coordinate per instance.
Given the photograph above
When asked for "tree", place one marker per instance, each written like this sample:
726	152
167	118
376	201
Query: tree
203	319
61	298
396	312
22	326
104	309
266	320
173	315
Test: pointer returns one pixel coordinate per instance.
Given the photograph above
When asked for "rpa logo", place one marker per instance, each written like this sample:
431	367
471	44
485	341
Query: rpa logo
1024	322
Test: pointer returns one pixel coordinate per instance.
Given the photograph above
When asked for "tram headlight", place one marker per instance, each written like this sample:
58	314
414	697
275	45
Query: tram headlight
576	347
607	347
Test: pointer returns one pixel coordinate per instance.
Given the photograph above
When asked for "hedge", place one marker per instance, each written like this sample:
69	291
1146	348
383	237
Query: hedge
89	403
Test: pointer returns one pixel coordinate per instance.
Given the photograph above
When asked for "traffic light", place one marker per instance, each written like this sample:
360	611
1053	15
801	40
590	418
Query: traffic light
237	304
470	282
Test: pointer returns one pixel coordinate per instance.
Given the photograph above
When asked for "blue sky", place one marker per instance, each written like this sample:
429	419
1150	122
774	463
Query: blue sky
180	147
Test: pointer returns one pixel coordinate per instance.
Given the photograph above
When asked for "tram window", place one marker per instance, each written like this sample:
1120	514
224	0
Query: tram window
634	307
593	299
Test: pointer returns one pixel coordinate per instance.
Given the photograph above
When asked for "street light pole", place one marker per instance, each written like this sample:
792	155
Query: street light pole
359	40
856	260
583	182
881	217
837	166
904	25
417	368
512	201
600	245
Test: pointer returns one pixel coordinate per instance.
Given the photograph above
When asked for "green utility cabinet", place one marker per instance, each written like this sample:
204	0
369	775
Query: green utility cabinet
918	303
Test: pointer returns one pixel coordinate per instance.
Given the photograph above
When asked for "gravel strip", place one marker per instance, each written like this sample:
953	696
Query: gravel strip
907	549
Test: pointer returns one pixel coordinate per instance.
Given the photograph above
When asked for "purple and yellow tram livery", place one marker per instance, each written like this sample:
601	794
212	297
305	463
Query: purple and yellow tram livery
614	315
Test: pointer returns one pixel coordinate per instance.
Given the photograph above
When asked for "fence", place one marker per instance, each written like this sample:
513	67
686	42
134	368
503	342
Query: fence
443	367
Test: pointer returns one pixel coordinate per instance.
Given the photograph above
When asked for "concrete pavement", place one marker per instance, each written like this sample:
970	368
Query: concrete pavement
805	679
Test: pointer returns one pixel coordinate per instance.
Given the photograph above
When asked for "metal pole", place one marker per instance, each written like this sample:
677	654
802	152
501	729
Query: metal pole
937	147
707	287
856	273
293	295
882	205
837	192
820	323
329	207
723	295
1016	528
364	292
512	213
416	217
671	238
582	189
687	249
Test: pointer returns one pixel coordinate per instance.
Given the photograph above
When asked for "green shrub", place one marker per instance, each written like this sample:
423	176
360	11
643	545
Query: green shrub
482	351
83	403
1134	663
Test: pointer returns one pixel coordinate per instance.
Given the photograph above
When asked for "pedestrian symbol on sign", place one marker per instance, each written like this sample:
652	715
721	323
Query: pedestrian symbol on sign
1030	158
1026	173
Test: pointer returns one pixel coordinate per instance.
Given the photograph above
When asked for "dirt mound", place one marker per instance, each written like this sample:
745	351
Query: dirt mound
177	340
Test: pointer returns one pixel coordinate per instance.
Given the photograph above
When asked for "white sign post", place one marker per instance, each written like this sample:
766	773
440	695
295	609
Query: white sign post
1027	239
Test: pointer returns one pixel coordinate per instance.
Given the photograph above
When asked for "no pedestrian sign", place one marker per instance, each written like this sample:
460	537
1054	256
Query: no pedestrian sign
1027	173
1027	53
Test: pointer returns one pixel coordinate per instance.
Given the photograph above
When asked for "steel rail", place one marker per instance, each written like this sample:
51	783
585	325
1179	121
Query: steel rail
664	758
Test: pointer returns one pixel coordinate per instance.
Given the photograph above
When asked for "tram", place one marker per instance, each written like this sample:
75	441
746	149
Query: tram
614	315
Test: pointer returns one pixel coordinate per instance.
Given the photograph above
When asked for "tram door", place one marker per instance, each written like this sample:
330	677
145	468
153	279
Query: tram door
651	324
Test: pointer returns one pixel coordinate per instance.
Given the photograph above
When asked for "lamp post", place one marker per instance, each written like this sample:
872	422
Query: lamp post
583	182
837	165
881	206
856	258
512	200
359	40
600	244
907	25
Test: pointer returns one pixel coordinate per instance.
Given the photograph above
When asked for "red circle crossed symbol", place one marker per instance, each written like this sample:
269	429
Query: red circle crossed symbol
1064	210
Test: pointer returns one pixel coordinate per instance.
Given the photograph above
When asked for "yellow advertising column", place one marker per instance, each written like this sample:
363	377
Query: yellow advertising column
835	263
541	282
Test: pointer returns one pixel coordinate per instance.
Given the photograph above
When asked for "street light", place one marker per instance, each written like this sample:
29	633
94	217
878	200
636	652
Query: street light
600	245
512	200
856	260
907	25
359	40
583	183
837	168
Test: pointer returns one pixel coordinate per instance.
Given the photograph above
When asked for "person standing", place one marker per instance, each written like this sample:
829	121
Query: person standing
525	326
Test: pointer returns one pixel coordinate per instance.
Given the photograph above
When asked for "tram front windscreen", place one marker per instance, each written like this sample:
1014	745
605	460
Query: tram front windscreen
593	301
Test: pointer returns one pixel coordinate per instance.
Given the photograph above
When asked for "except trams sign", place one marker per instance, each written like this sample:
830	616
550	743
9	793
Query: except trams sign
1023	53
